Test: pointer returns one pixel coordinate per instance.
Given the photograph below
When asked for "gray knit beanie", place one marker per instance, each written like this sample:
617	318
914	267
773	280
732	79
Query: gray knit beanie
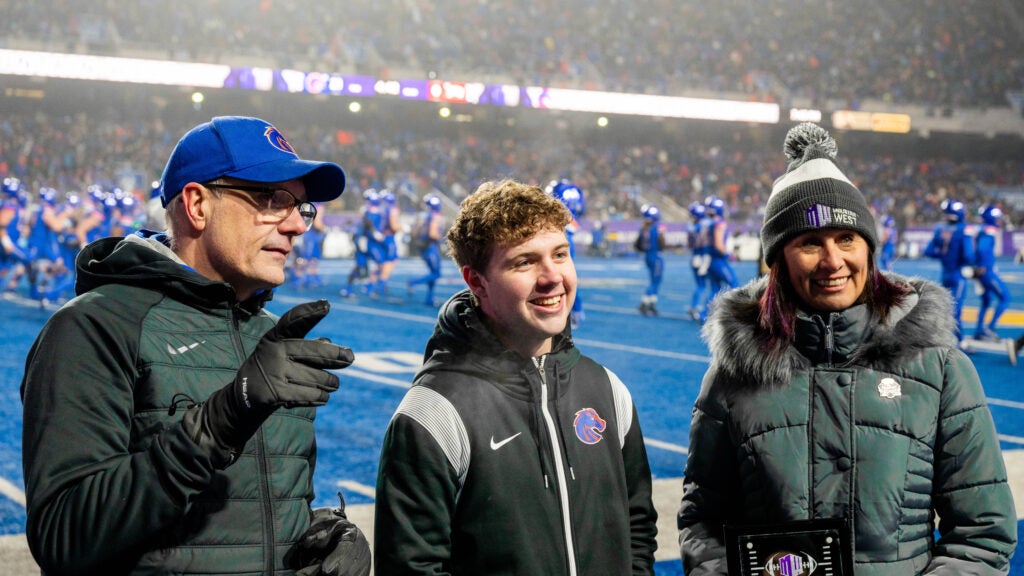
812	194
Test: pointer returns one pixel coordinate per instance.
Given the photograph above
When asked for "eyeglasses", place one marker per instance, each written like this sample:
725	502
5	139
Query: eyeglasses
276	203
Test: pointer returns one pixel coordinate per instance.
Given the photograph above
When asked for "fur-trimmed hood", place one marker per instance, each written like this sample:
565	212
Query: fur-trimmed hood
743	356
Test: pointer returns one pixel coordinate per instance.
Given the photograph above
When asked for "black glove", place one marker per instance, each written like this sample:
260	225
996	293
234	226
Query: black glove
333	546
284	370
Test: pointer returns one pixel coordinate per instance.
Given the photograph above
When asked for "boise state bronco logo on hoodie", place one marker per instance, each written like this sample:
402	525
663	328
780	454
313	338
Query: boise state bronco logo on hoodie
589	426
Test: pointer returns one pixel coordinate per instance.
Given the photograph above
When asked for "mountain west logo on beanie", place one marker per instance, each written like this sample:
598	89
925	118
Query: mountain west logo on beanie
589	426
812	194
819	216
248	149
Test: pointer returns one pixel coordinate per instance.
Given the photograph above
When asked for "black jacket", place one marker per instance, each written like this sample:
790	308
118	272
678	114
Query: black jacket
114	483
499	464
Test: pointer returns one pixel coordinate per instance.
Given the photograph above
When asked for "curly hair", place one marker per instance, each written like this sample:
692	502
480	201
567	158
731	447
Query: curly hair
501	213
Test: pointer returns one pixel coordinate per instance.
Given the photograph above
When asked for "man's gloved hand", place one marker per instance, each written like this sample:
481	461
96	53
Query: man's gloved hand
333	546
285	369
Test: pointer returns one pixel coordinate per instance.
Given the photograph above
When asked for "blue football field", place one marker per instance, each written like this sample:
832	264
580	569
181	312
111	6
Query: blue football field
660	359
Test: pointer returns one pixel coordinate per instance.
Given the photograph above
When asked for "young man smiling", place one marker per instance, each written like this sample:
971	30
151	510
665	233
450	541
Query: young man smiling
513	453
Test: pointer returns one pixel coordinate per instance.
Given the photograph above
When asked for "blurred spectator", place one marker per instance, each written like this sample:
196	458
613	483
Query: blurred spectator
123	148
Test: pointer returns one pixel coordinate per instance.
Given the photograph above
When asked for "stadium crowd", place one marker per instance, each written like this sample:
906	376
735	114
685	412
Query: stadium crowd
71	152
74	151
939	53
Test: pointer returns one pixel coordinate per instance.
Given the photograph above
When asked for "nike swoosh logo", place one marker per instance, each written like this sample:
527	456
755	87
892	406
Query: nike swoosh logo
496	445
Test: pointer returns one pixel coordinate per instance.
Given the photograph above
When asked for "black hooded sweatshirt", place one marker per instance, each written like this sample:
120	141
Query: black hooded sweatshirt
499	464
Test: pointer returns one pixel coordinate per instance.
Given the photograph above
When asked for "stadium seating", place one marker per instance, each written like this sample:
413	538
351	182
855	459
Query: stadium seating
938	53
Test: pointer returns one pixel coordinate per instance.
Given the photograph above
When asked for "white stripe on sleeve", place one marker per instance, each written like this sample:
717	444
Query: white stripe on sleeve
440	419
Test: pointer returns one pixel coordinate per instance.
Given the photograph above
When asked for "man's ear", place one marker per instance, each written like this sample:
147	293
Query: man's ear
195	199
476	282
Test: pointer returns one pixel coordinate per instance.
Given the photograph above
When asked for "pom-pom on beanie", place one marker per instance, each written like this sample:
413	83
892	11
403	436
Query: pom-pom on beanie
812	194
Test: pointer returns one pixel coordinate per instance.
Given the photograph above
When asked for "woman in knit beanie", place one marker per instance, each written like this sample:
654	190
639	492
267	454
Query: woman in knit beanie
837	396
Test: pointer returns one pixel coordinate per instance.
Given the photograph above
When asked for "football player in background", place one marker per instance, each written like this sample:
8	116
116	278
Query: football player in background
986	273
572	197
426	237
700	237
650	242
890	236
14	260
721	275
389	225
952	245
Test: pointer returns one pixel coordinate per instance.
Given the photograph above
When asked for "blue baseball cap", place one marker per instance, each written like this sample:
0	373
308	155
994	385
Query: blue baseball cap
248	149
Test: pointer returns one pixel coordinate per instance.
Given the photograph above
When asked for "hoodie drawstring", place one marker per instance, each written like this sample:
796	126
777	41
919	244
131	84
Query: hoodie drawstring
558	425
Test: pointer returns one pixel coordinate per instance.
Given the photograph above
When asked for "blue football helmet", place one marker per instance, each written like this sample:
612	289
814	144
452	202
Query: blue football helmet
698	210
12	186
888	221
96	193
371	196
433	203
954	210
715	205
388	196
48	196
127	202
110	202
990	214
651	212
568	194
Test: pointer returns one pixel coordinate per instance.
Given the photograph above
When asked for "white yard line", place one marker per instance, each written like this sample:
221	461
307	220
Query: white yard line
362	375
358	488
1006	403
666	446
8	489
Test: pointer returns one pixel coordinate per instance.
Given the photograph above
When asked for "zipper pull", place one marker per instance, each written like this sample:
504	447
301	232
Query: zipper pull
829	338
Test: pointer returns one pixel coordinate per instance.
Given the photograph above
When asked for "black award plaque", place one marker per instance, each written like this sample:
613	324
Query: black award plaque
802	548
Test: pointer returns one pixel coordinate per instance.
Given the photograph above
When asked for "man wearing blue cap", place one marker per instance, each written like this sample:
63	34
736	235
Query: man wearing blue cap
175	434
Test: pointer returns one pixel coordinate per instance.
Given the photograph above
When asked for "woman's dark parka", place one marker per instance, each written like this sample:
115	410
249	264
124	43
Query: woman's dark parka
884	423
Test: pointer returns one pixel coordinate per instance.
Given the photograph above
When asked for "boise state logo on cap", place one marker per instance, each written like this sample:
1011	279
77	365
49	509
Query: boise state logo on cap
277	140
589	426
236	147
